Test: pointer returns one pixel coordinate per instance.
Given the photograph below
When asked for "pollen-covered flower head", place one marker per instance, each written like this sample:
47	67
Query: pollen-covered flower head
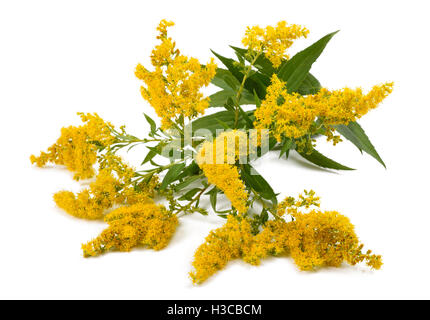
319	239
291	115
314	239
217	160
112	186
229	147
221	246
273	41
173	89
77	147
142	224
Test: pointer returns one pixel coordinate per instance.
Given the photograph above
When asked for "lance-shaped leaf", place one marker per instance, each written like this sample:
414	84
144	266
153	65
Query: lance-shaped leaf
310	85
255	181
257	81
219	120
172	175
295	70
225	79
287	145
189	194
187	181
220	98
355	133
151	123
262	63
322	161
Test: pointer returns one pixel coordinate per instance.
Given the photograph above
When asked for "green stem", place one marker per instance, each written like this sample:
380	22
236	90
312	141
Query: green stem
185	208
269	208
242	85
154	171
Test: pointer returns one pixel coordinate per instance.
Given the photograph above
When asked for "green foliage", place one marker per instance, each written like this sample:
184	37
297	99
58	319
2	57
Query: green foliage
217	121
172	174
322	161
255	182
355	133
295	70
256	82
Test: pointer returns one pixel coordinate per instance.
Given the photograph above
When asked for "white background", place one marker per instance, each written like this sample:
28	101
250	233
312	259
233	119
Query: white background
60	57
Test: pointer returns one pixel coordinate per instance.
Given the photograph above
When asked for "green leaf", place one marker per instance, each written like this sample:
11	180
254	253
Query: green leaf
223	124
355	133
151	154
217	121
249	123
172	174
230	65
151	122
295	70
225	79
310	85
219	99
320	160
257	81
189	194
191	170
210	122
287	145
257	100
213	197
262	64
255	181
187	181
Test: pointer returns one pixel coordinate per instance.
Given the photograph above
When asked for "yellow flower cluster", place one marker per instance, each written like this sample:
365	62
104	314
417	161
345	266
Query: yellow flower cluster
319	239
292	115
142	224
315	239
173	88
291	206
77	146
217	160
221	246
273	41
113	186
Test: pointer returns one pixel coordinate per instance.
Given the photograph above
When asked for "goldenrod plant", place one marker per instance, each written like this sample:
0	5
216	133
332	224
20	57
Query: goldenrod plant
211	156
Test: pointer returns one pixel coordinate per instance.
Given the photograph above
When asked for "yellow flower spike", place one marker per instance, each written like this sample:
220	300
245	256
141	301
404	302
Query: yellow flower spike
271	241
291	206
292	115
291	119
221	246
80	205
319	239
273	41
217	161
76	147
143	224
112	186
162	28
173	88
